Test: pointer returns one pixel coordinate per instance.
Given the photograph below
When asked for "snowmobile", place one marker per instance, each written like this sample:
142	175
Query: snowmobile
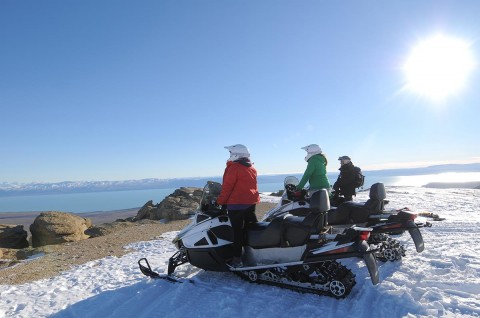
281	252
370	214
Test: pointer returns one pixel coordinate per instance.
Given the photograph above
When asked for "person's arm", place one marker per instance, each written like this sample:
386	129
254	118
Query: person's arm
229	180
336	185
306	176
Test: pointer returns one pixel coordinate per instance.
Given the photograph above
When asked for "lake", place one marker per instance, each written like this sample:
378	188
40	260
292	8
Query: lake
119	200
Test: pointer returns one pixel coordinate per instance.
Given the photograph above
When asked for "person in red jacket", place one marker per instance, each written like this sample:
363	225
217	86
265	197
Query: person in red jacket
239	194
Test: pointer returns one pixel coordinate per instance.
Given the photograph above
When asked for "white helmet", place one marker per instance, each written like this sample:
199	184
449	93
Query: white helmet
238	151
312	150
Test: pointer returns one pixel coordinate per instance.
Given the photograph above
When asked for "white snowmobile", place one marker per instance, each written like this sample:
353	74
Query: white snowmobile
370	214
281	252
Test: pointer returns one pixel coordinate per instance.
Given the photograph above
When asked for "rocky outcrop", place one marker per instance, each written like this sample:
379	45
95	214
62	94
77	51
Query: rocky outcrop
58	227
147	211
13	236
114	227
10	255
177	206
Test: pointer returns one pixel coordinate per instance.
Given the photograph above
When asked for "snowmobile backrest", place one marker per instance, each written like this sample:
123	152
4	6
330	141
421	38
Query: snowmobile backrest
377	191
376	203
315	222
320	200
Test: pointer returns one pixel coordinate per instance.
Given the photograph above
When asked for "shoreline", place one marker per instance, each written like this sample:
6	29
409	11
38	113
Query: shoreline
97	217
62	257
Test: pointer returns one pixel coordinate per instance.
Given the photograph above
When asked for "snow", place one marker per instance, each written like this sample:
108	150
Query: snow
444	280
269	199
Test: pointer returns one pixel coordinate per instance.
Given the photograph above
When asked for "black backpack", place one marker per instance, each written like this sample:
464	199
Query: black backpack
359	177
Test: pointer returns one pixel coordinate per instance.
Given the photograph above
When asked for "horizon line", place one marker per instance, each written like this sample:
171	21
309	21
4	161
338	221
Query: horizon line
406	166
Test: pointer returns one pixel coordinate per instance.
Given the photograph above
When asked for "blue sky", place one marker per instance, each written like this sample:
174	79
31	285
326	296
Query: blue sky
112	90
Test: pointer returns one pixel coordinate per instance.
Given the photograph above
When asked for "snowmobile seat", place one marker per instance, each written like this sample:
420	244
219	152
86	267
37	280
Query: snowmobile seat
289	230
348	213
376	202
298	229
265	234
355	213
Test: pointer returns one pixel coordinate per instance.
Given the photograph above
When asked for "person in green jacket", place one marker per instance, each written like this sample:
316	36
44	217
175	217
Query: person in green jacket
316	172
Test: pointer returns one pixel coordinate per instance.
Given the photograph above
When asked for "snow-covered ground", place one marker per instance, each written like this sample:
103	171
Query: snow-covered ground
444	280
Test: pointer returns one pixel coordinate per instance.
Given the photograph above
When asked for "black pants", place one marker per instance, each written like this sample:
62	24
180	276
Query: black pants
239	218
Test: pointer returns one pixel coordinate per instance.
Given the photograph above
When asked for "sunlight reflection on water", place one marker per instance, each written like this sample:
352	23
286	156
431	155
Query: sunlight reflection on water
448	177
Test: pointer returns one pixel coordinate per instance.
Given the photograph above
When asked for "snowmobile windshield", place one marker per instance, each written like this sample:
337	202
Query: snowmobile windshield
209	196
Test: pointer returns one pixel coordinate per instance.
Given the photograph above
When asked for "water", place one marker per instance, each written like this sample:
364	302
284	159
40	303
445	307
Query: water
83	202
119	200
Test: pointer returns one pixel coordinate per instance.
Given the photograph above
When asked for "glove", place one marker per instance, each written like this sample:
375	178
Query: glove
290	188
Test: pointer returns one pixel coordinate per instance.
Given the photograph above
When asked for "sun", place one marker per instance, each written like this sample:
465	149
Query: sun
439	67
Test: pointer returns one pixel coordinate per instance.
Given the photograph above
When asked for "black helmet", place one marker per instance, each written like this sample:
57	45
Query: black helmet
344	158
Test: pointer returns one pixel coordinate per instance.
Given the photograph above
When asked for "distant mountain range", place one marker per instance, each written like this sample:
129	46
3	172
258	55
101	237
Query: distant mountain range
14	189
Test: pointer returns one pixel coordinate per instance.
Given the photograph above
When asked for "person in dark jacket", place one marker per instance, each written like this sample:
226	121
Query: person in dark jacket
239	194
345	184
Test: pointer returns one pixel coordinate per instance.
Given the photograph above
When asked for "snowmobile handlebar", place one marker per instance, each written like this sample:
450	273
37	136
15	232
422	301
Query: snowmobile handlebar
293	194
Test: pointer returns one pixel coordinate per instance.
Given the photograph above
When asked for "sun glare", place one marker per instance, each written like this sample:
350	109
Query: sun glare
439	67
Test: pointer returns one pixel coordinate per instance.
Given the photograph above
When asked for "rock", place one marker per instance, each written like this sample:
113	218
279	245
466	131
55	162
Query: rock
107	228
177	206
13	236
114	227
147	211
279	193
58	227
9	254
10	257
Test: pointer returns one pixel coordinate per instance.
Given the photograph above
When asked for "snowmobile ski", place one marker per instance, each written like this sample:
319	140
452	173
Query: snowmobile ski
147	271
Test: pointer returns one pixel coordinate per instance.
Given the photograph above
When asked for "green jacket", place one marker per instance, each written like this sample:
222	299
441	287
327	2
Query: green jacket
315	174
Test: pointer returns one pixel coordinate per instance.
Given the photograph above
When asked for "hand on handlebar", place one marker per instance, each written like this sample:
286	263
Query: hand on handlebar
290	188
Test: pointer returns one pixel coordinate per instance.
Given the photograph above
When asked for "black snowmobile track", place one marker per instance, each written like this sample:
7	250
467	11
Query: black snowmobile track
388	249
338	280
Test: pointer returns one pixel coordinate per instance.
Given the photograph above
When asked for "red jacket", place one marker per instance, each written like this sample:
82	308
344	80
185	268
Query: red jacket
239	184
